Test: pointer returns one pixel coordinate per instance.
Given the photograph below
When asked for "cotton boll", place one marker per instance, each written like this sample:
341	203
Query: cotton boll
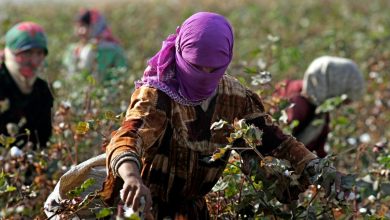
19	209
16	152
261	64
365	138
352	141
371	198
57	84
351	196
30	158
129	212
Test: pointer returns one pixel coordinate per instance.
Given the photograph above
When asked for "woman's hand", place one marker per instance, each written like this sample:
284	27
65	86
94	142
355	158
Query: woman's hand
133	188
320	172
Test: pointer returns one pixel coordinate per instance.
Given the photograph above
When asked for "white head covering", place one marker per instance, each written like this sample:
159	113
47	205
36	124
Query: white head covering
329	77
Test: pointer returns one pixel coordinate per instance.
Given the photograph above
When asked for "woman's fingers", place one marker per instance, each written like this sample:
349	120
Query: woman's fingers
124	193
131	198
132	194
142	199
135	199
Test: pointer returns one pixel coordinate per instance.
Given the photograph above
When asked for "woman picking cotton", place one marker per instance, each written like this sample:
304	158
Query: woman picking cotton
326	77
96	51
25	98
160	152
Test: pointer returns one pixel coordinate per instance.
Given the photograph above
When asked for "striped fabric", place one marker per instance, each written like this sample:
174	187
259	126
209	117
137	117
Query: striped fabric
175	143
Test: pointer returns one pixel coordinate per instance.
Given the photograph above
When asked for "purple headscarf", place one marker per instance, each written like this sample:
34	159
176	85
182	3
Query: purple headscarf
205	39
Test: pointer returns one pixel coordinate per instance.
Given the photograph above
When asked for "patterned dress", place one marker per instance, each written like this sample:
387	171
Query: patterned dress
175	143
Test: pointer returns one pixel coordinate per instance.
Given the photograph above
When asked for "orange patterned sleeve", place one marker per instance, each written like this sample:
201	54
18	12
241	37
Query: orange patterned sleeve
144	124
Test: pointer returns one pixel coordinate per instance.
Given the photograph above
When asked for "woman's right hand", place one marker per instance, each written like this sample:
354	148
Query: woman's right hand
133	188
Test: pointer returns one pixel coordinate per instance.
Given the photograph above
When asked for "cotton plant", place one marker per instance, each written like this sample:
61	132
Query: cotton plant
238	187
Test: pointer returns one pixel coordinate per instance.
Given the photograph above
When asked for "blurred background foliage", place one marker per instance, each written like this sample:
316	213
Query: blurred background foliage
280	37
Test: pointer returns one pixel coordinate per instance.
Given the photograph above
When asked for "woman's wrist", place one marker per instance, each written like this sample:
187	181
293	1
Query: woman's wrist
118	160
128	168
